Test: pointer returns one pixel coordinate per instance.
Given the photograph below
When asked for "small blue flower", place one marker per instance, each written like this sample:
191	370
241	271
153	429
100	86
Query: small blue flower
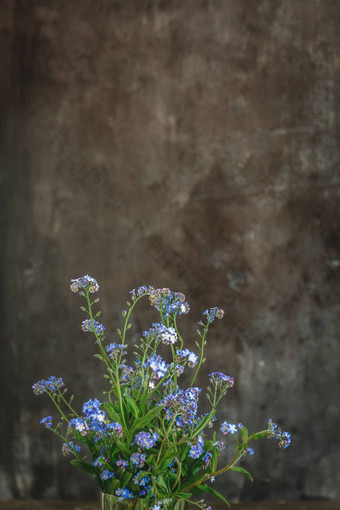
207	460
123	464
98	462
145	440
106	474
115	427
196	450
158	330
158	366
47	421
142	482
138	459
78	424
145	490
228	427
191	356
156	507
124	494
220	445
90	407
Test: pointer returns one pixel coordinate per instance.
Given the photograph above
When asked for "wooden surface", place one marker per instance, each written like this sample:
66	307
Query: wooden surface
69	505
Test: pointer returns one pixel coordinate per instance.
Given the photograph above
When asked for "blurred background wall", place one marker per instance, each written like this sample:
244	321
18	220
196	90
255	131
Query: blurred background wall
188	144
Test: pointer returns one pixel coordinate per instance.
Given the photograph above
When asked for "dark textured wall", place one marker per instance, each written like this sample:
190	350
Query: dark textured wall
189	144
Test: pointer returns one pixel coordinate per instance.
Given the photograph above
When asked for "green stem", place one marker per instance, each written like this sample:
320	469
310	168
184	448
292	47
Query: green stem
233	461
67	403
57	406
102	350
202	352
75	453
175	374
179	472
111	368
178	333
127	318
164	438
211	415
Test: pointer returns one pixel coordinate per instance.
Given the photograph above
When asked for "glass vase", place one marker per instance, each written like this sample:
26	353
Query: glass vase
110	502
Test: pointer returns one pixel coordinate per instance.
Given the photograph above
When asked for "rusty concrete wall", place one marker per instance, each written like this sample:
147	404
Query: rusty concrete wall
189	144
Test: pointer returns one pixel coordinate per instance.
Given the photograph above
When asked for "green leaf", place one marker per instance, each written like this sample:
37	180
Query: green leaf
150	460
203	423
209	489
110	409
214	459
85	466
244	434
186	495
113	485
148	496
192	480
144	420
258	435
198	491
126	478
141	474
163	483
184	453
243	471
122	446
165	463
132	405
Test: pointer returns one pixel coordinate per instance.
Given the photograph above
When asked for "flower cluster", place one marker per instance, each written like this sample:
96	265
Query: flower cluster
92	326
83	283
221	379
196	449
141	291
160	331
47	421
148	439
276	433
214	313
115	350
138	459
52	384
229	427
191	357
70	447
124	494
182	407
168	303
158	366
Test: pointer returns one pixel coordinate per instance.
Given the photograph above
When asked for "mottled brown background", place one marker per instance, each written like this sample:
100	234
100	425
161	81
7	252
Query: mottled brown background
189	144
